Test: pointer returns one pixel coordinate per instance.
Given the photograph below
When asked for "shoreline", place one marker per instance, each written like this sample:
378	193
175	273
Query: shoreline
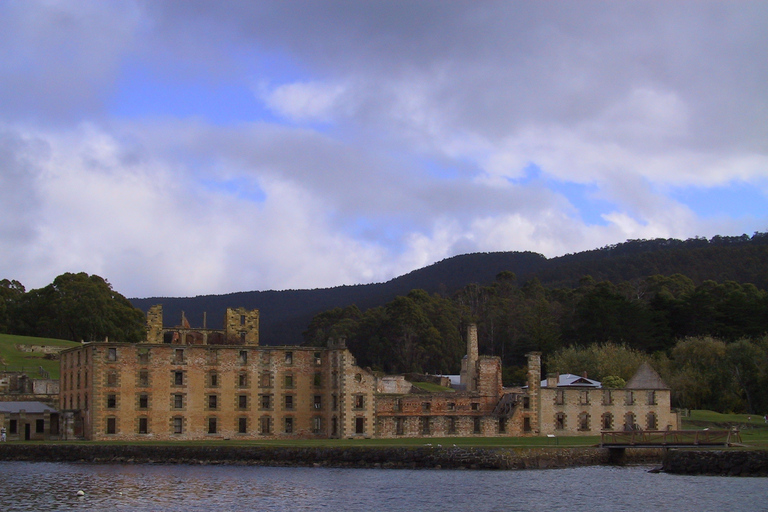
421	457
673	461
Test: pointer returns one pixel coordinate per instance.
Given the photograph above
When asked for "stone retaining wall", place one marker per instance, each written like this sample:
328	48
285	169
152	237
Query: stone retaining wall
372	457
717	462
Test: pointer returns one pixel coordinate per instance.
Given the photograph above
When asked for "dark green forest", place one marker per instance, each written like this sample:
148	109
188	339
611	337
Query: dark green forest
710	336
706	336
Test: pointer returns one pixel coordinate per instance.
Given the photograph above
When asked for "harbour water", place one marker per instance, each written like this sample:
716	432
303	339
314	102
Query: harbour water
39	486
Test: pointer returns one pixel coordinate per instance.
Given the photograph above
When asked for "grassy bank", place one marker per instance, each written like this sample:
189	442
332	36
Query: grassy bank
13	359
752	427
466	442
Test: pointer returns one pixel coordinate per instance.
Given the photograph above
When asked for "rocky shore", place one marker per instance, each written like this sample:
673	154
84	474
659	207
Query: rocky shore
423	457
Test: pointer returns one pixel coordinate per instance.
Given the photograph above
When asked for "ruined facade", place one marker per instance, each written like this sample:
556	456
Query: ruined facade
241	327
187	384
179	390
557	406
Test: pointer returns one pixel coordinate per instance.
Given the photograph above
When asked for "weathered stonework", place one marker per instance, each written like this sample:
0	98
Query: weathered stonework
142	391
241	327
589	411
193	386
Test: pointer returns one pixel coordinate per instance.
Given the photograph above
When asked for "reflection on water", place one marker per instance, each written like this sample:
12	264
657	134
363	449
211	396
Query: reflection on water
53	486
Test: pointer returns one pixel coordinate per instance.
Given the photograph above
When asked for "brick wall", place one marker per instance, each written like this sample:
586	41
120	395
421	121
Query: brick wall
186	392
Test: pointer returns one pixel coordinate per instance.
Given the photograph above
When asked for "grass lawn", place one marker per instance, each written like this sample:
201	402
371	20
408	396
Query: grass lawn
14	359
465	442
433	388
752	427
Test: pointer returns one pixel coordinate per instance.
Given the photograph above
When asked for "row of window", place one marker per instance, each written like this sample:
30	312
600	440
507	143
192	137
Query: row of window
426	425
213	380
427	406
179	357
73	381
266	426
607	421
13	427
178	378
607	397
212	401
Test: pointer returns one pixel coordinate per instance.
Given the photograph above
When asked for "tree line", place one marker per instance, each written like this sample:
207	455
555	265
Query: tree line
686	327
76	307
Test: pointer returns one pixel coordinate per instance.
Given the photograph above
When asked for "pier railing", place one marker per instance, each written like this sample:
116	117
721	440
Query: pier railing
669	438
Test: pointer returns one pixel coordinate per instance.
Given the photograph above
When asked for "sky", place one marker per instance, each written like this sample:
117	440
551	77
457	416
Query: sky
206	147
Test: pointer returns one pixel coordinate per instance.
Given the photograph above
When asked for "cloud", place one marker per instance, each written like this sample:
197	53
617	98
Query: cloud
304	101
302	145
59	58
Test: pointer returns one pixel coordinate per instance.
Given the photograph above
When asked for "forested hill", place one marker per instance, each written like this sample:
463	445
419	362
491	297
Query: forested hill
286	314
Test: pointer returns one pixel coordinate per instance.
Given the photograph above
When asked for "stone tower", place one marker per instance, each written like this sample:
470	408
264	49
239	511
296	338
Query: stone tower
241	326
155	324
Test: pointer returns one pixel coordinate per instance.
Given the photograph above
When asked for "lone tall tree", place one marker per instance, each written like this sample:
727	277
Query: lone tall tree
80	307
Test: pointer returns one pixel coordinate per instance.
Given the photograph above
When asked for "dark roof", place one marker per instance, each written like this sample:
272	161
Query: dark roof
28	407
646	378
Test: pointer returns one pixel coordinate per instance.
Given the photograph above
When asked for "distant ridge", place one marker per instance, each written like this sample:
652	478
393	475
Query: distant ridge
286	314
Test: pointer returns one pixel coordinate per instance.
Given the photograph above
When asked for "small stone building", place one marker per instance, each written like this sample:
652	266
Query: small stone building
29	421
579	407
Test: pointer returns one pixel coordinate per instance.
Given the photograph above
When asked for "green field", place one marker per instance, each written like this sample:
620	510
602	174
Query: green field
752	427
433	388
13	359
465	442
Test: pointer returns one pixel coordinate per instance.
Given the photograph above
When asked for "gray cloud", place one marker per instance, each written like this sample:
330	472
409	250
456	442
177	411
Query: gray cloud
493	67
18	197
401	134
61	59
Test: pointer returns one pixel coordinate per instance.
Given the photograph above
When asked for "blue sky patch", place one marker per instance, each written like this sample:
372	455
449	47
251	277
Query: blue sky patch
241	188
582	196
737	199
142	93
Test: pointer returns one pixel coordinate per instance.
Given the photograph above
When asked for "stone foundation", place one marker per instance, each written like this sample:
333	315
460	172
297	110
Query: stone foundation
717	462
422	457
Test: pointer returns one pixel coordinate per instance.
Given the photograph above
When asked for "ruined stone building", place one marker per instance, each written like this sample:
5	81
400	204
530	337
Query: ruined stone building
560	405
194	384
185	383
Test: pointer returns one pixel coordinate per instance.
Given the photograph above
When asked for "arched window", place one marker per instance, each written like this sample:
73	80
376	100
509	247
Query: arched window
584	421
652	422
629	421
607	421
560	421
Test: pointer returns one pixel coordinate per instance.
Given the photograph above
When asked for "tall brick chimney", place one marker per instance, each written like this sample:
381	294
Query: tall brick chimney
469	363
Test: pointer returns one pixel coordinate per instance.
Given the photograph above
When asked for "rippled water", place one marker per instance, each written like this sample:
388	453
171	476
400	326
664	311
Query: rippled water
53	486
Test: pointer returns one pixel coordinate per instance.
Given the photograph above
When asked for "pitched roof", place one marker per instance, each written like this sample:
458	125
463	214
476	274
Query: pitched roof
646	378
566	380
28	407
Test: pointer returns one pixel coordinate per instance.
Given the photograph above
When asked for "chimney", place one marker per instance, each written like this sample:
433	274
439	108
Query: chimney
469	363
552	380
472	342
